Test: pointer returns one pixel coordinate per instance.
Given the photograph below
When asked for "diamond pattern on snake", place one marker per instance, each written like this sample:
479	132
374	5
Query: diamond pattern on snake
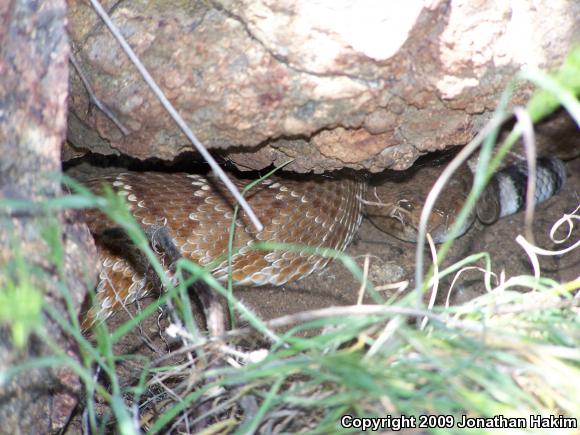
318	212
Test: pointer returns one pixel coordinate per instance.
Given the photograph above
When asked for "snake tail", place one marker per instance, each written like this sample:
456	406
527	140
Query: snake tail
506	192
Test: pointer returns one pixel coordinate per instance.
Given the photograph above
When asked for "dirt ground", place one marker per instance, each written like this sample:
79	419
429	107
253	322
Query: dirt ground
393	260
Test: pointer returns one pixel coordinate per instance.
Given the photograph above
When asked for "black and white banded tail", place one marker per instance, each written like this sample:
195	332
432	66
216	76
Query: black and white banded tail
506	192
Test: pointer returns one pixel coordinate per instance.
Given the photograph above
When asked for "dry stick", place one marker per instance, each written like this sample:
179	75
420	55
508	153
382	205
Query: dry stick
94	98
363	284
530	147
324	313
398	286
176	116
353	310
372	310
374	203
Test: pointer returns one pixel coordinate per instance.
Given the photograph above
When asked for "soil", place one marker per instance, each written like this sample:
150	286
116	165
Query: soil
392	260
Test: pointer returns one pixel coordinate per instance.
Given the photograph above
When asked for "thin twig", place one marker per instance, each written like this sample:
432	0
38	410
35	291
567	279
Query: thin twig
363	284
365	311
353	310
398	286
323	313
176	116
373	203
93	98
529	140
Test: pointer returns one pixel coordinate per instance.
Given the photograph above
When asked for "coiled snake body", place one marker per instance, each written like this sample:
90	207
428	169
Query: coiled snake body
196	211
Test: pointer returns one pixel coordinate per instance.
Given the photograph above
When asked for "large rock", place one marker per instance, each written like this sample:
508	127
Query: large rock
331	83
33	92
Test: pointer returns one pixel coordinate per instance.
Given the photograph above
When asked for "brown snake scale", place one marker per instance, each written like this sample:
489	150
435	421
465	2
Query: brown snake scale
197	213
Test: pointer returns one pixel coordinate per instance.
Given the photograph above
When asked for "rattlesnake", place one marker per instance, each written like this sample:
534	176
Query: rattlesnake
504	195
317	212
